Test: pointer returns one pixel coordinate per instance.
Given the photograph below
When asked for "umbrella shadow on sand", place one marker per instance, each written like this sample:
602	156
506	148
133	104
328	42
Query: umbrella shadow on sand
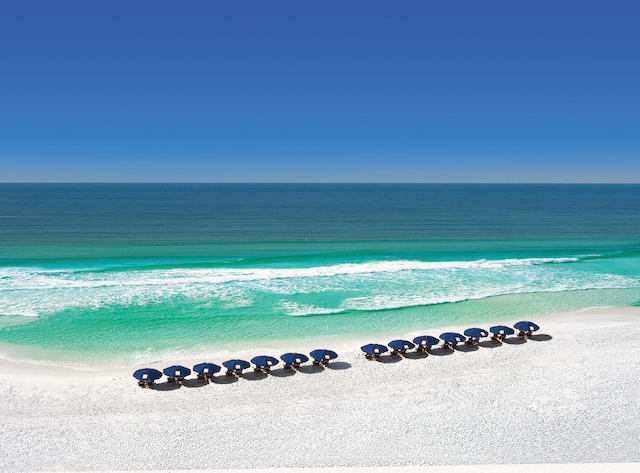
311	369
255	376
389	359
195	383
515	341
339	365
490	344
166	386
224	379
416	355
440	351
540	337
466	348
283	373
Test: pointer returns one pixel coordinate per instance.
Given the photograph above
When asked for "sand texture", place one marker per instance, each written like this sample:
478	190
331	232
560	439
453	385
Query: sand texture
570	396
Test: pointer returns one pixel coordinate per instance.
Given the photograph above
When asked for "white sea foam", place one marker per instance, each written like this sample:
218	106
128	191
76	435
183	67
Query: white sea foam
296	309
371	285
43	279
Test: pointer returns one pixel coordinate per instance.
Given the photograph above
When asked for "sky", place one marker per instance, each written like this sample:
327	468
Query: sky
320	91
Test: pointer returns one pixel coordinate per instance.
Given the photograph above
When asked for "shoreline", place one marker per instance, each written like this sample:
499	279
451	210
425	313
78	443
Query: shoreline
342	344
567	401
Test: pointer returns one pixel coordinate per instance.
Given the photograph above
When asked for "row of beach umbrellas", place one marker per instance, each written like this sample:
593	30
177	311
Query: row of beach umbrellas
235	367
449	340
263	363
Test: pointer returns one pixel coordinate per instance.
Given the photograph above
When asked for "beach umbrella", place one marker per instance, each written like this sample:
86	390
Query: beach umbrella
476	333
146	375
426	341
525	326
206	369
374	349
401	345
176	372
264	361
501	330
236	365
452	337
323	355
294	358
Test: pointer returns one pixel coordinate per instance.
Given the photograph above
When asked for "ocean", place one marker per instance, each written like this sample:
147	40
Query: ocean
96	275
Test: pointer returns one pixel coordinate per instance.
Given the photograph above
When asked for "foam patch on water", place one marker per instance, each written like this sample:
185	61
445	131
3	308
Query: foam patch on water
42	279
295	309
373	285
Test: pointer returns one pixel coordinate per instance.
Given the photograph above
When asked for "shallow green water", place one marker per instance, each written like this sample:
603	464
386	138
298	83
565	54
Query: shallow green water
116	275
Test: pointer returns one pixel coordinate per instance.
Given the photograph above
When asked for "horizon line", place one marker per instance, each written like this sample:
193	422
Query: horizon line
321	183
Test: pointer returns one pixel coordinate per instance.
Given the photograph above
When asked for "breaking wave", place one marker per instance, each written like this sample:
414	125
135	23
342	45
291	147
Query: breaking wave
373	285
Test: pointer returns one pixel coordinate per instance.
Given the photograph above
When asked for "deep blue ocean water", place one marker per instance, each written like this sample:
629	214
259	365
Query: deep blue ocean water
118	274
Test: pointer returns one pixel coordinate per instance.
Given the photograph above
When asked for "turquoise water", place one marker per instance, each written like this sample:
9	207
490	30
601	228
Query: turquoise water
122	274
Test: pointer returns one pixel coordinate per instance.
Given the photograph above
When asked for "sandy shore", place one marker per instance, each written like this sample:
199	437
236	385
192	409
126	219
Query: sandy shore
572	396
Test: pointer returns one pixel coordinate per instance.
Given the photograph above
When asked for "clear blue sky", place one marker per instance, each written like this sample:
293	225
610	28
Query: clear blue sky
320	91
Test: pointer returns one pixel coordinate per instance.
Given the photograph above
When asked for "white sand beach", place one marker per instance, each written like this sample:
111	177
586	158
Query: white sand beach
569	399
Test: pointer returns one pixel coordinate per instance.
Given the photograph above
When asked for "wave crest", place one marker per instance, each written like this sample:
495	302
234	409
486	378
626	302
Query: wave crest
373	285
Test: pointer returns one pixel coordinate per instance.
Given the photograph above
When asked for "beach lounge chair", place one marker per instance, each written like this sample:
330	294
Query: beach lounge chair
373	350
400	347
293	360
526	329
146	381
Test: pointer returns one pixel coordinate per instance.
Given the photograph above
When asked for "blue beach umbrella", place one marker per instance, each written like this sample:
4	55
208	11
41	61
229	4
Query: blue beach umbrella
264	362
525	326
236	365
426	341
374	349
323	355
206	369
176	372
452	337
147	375
401	345
294	359
501	331
476	333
